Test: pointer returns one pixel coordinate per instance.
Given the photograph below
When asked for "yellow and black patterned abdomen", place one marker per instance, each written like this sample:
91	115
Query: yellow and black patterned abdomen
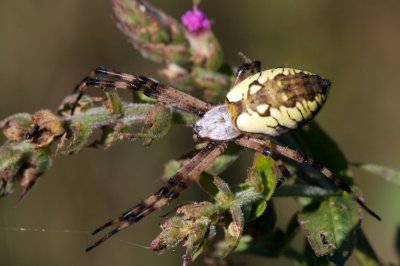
276	100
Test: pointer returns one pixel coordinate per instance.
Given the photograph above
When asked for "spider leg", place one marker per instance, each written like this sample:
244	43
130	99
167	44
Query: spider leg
285	173
276	151
149	87
250	67
175	185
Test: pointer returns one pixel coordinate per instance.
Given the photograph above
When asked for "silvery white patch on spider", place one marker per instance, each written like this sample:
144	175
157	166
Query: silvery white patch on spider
216	124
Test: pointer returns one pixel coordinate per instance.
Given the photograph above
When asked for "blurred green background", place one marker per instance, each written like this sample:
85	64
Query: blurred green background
46	47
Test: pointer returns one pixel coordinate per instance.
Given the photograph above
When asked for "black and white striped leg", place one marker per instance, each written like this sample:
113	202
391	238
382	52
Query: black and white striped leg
105	78
277	151
175	185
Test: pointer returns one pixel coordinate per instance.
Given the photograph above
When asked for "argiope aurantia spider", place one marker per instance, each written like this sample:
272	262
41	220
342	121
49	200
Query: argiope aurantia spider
259	105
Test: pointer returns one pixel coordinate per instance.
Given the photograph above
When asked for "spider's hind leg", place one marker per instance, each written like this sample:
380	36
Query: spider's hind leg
302	158
277	151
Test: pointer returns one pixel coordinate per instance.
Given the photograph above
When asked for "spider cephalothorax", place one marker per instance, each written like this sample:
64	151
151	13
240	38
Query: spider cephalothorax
260	104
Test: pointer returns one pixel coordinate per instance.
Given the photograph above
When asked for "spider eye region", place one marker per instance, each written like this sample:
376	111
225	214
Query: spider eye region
325	84
277	100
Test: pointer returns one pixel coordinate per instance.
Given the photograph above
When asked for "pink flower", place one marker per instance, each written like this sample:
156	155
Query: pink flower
195	21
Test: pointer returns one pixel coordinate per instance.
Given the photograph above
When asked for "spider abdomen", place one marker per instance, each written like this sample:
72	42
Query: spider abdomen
276	100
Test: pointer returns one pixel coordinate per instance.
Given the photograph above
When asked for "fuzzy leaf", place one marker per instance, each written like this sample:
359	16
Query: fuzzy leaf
330	227
267	240
234	231
42	160
16	126
171	235
37	165
156	124
153	33
204	231
80	136
114	103
263	170
262	178
193	227
224	192
50	126
13	157
23	164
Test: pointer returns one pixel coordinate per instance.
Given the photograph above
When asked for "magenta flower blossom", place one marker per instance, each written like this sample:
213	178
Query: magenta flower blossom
195	21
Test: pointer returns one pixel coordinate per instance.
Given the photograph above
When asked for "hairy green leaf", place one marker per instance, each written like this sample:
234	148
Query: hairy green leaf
263	178
330	227
153	33
13	158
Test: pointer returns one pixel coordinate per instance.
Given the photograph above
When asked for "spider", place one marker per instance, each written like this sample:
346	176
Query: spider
259	105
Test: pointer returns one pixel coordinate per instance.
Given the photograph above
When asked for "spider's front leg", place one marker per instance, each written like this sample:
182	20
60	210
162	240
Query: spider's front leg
175	185
106	78
276	151
250	67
